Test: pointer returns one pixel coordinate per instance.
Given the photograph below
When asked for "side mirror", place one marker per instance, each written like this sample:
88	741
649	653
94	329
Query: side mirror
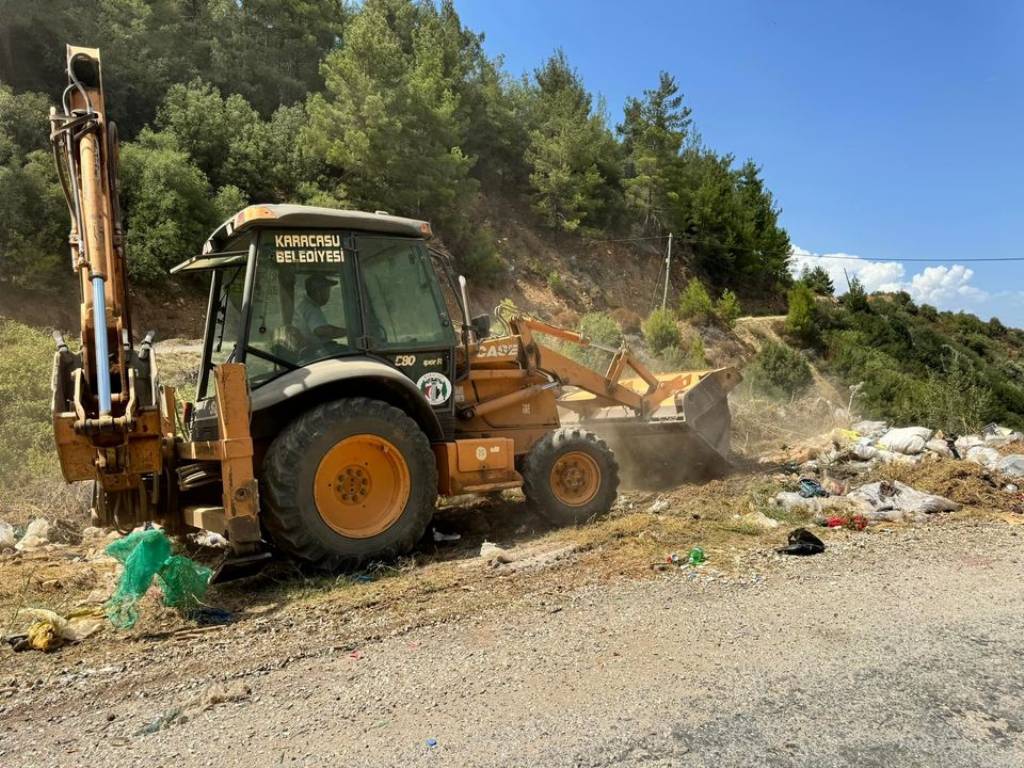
481	325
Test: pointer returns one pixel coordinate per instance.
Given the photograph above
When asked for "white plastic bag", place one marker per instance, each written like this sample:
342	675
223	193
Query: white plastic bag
7	536
883	498
870	429
939	447
37	534
984	455
909	441
1012	465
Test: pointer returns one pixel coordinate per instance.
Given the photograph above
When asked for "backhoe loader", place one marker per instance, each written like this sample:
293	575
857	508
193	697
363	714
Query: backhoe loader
337	395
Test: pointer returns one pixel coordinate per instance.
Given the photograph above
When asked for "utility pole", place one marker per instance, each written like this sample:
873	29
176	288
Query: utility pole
668	271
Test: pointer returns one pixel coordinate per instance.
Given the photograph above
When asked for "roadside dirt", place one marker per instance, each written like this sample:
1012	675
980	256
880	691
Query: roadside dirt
557	659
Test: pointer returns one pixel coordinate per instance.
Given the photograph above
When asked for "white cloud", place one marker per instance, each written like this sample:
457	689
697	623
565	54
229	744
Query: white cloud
942	286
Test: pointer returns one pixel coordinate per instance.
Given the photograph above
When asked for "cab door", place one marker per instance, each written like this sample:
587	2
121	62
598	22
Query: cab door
405	319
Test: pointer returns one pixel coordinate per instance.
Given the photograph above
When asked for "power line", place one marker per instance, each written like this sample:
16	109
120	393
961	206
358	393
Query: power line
930	261
703	241
628	239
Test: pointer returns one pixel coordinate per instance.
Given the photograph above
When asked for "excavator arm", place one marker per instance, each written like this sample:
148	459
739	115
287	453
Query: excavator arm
112	421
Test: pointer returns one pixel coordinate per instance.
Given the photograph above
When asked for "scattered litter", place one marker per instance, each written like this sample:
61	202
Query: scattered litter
871	429
864	451
441	537
1012	465
431	743
209	539
853	522
8	538
984	455
791	501
909	441
940	447
894	501
356	655
891	457
696	556
965	442
145	554
47	630
996	435
37	535
659	506
1010	488
492	553
802	542
810	488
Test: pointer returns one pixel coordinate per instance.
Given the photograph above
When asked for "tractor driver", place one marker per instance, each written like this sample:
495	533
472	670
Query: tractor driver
312	320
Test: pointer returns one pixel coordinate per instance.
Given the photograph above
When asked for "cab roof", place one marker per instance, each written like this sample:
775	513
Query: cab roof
297	217
312	217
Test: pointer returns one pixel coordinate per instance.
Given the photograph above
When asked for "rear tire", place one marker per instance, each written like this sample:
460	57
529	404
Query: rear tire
570	476
348	481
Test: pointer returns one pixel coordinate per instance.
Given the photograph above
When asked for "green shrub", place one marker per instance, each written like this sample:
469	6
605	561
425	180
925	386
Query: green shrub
818	280
728	309
628	320
478	258
957	400
779	371
601	328
660	330
557	285
695	303
856	298
801	321
697	357
28	459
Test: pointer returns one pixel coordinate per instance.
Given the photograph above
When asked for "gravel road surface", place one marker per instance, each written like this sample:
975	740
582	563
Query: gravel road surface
903	648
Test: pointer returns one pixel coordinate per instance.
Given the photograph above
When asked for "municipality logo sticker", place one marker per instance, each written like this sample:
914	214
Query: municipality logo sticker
435	387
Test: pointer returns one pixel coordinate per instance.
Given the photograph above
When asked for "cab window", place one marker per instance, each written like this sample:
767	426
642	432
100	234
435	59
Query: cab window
303	303
404	308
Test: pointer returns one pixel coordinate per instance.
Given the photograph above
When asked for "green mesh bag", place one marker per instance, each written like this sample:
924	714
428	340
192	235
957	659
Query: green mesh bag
183	582
146	554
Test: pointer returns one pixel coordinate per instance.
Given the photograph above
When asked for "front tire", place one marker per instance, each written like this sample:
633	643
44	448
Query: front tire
570	476
349	481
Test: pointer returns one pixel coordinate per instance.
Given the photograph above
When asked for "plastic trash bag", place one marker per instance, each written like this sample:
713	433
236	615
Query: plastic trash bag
984	455
37	535
1012	465
871	429
907	440
145	554
898	501
8	537
939	447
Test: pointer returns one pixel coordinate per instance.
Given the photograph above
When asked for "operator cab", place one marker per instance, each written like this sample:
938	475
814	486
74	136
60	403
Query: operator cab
294	285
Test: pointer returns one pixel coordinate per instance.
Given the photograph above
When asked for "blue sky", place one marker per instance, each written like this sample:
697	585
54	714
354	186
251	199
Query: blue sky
885	132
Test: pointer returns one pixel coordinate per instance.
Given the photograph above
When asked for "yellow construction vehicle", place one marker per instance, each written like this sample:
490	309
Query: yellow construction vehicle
337	396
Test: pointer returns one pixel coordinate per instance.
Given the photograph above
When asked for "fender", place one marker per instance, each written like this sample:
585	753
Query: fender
282	399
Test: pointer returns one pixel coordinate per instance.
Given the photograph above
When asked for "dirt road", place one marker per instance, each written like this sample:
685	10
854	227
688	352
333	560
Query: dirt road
896	648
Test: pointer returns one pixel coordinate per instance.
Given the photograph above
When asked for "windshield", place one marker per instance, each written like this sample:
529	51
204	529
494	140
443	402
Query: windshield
405	309
303	302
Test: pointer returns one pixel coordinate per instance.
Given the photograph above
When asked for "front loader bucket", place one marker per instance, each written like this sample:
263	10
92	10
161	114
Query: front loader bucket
685	440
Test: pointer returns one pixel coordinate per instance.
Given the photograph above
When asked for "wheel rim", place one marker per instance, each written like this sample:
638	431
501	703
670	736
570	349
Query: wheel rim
361	486
575	478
